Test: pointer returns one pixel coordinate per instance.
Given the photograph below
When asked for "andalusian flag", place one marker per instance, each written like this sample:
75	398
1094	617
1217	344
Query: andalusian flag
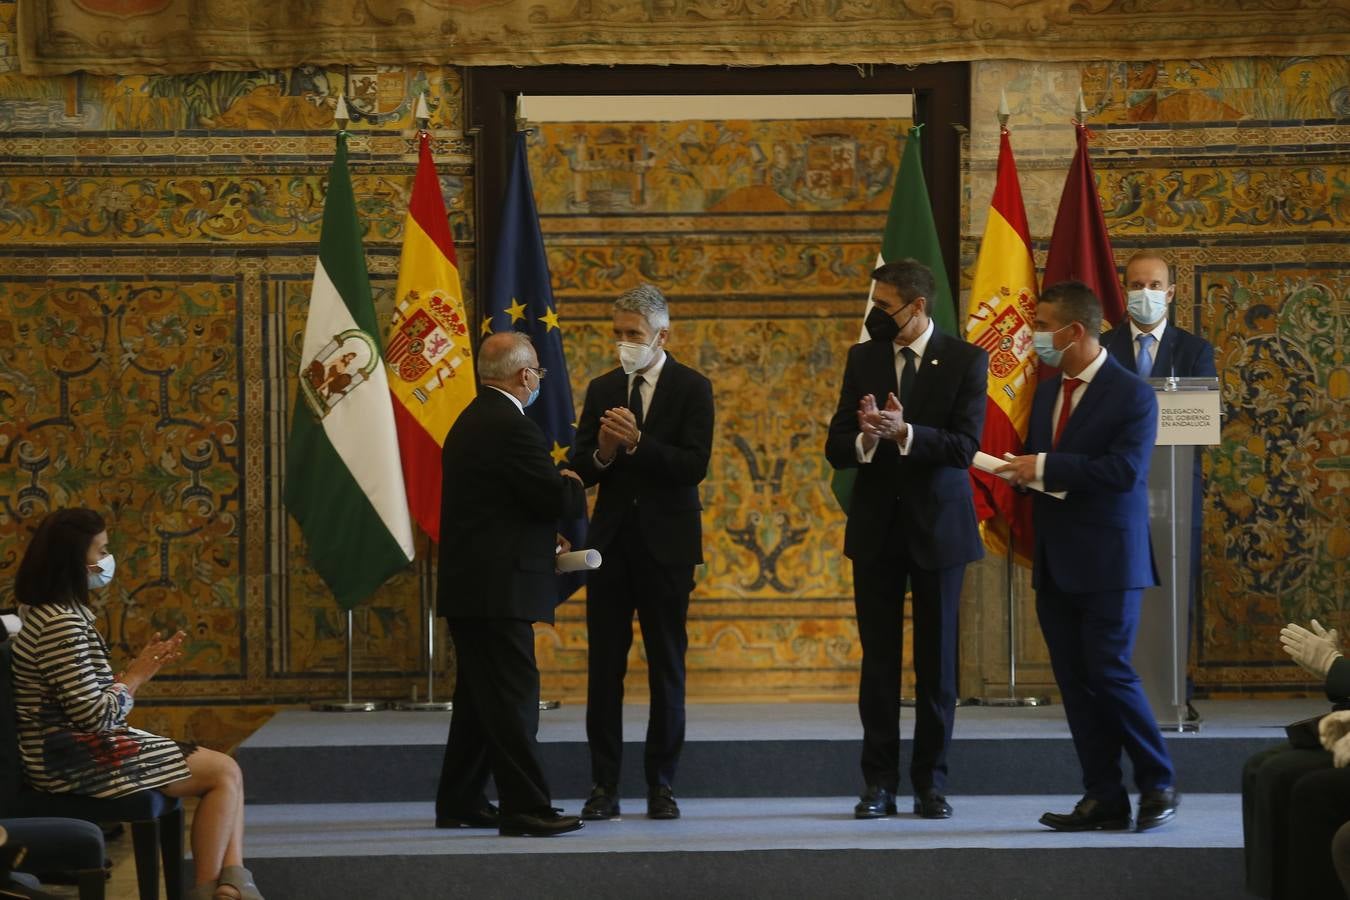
343	481
430	361
1002	310
910	234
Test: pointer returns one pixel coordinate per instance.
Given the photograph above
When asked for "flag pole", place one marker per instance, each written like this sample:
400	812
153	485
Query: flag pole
1012	700
349	705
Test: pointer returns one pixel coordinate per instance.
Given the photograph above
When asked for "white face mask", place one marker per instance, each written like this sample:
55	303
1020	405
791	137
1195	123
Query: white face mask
1146	306
107	565
636	356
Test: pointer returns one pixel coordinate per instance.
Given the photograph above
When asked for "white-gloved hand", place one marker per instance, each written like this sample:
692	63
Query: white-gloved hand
1330	634
1333	727
1308	650
1340	752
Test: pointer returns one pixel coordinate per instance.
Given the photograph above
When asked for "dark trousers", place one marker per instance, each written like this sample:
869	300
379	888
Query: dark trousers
878	596
1268	782
495	724
1091	642
1318	806
632	581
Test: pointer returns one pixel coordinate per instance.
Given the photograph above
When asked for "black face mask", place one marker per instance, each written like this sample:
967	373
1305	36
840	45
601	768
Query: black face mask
881	326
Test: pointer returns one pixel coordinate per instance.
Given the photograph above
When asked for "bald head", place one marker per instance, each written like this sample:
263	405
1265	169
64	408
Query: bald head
506	360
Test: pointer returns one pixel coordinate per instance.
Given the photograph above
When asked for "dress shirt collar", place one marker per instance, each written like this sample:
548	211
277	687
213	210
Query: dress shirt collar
1157	333
920	344
653	371
509	396
1092	368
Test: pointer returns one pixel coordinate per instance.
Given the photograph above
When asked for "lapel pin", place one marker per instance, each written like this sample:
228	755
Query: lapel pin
933	362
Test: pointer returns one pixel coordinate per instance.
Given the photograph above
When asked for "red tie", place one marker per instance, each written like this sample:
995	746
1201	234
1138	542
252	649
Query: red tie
1065	407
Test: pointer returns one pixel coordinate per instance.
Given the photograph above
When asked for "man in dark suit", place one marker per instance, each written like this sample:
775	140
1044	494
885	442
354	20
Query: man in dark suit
910	415
645	437
501	501
1152	347
1091	434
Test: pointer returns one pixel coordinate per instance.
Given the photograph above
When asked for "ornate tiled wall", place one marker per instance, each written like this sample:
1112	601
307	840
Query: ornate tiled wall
1240	171
156	240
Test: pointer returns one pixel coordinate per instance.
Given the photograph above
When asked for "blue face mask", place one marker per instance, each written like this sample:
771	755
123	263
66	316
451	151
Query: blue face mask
534	394
1044	343
107	565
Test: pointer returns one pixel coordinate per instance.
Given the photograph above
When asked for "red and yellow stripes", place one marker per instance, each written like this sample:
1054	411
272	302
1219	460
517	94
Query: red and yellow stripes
1002	309
427	351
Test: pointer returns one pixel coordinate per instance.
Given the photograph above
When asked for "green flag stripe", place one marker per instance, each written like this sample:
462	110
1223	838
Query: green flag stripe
348	544
340	246
911	232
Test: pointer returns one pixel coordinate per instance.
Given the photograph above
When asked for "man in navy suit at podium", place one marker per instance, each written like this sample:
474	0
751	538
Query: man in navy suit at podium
1153	347
1091	434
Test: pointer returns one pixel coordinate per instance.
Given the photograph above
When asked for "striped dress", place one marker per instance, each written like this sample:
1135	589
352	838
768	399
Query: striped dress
72	715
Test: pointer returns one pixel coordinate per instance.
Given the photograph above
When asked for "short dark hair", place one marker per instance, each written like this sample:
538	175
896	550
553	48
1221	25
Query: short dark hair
911	277
54	568
1078	303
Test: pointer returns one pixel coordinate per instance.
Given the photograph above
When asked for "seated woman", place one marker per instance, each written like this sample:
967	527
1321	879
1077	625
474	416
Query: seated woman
1294	796
72	711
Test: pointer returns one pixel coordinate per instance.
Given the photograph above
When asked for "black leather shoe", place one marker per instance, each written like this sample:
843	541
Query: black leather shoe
930	804
602	804
483	817
543	824
1157	808
875	803
661	803
1091	814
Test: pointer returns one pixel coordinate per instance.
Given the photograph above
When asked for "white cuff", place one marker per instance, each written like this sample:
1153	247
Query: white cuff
1040	467
600	463
865	456
908	442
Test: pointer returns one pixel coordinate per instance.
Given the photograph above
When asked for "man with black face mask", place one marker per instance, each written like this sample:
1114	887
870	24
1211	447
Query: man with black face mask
910	416
645	438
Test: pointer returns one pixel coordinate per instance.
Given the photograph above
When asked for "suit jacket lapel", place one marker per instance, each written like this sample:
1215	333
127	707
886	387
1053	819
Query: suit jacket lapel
1089	402
1123	344
883	371
1162	360
660	391
928	372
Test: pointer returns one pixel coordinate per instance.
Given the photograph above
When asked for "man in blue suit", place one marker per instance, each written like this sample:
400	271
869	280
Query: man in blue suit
1153	347
1091	434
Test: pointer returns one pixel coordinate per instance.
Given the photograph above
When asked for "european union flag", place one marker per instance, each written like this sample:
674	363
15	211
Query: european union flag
521	297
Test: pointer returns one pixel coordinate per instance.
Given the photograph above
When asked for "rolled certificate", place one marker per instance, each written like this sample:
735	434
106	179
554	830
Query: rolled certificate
578	560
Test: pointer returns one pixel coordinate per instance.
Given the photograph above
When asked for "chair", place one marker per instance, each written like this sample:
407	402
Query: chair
61	845
156	819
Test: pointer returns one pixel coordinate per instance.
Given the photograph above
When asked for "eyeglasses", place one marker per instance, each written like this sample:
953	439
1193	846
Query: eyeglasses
538	373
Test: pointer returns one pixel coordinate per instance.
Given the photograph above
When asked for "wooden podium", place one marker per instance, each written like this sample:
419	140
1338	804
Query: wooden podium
1189	419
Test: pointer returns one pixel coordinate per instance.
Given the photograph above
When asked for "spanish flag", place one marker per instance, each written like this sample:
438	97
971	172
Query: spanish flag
428	353
1002	310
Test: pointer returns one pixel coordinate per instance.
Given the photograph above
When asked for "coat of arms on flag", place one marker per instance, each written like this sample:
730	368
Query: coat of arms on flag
1007	336
428	342
339	368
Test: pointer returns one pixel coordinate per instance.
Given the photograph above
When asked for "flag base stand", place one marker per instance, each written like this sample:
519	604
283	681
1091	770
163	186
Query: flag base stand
431	704
1012	701
348	705
449	705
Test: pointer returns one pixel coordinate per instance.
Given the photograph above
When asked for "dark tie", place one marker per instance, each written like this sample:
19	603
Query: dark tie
907	375
1065	407
635	400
